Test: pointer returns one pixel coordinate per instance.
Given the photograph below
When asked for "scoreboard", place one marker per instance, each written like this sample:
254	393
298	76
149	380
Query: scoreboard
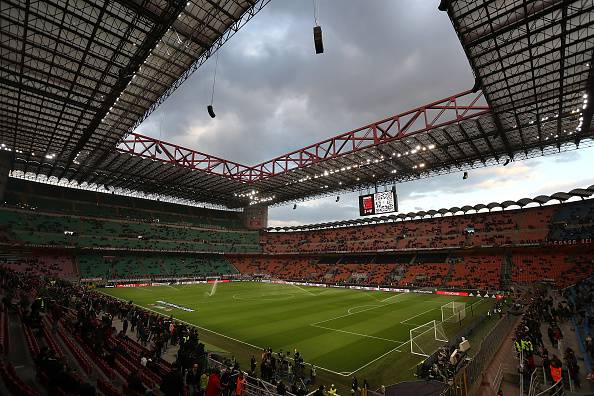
378	203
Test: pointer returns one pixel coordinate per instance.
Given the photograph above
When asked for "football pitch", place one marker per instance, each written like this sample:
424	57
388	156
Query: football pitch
341	331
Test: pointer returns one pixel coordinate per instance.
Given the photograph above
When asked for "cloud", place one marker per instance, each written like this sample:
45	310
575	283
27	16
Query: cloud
274	95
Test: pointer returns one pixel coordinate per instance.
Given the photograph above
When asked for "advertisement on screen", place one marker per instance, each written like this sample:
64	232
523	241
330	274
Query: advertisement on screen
378	203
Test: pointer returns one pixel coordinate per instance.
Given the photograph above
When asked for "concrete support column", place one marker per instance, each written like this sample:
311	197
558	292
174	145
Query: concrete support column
255	217
5	167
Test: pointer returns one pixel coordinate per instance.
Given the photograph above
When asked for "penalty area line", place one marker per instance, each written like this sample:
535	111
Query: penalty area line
357	334
391	297
354	313
219	334
417	315
303	290
378	358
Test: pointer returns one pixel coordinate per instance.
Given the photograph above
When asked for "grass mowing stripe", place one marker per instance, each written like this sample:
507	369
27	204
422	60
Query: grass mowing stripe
357	334
417	315
223	335
243	315
302	289
391	297
378	358
353	313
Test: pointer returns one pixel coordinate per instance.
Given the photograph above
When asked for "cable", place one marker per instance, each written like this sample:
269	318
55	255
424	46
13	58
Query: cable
214	80
316	9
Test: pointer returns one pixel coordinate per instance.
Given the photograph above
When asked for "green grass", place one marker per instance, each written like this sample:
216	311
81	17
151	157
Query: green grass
344	332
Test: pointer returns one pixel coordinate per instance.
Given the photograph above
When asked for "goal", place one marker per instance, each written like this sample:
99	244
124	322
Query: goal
427	338
453	312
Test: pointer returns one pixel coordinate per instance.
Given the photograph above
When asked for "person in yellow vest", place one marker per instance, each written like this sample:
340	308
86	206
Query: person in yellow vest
364	388
332	390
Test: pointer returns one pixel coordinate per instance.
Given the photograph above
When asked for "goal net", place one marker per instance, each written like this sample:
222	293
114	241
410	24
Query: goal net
427	338
453	312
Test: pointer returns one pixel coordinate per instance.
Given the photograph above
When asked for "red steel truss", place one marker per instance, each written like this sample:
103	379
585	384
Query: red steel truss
441	113
148	147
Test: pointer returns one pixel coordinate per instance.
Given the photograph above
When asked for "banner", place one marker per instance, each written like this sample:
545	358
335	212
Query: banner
452	293
133	285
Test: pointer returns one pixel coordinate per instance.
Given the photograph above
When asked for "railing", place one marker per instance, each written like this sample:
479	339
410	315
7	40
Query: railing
536	382
497	380
557	389
471	375
253	386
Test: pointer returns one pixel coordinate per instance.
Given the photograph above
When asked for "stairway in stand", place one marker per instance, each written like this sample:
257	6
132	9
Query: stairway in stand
506	271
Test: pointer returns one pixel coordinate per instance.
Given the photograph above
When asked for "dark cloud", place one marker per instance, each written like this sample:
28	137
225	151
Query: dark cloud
275	95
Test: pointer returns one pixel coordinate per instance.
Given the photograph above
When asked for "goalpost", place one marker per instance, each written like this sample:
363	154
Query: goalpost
427	338
453	311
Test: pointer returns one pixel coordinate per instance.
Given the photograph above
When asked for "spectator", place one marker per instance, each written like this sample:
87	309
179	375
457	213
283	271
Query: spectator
214	384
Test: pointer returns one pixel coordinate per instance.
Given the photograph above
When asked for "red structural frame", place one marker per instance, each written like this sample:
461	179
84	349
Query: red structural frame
438	114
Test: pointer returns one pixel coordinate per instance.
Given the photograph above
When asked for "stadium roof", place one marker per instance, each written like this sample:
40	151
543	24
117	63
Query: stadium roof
77	76
520	203
532	62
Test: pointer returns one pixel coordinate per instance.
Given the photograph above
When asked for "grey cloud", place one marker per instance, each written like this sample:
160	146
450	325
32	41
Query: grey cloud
380	59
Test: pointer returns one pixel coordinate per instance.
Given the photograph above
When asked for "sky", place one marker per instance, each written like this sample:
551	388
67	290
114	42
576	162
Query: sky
382	57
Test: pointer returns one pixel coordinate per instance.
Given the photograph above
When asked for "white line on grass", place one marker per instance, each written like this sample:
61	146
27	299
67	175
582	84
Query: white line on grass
391	297
221	335
350	310
433	309
354	313
357	334
306	291
417	315
377	358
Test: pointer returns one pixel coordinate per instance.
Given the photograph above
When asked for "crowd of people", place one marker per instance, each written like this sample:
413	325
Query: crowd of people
559	362
90	317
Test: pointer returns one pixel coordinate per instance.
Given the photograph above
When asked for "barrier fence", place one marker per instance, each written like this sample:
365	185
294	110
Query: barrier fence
470	376
253	386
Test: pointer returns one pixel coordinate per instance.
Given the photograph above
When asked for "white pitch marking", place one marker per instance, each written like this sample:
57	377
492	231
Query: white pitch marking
219	334
391	297
361	306
433	309
417	315
349	314
306	291
357	334
377	358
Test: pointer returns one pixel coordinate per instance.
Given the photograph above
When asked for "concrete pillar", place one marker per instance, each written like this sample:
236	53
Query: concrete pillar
255	217
5	167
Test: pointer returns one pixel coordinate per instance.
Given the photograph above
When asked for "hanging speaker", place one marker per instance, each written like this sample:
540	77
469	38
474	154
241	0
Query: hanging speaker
211	112
317	33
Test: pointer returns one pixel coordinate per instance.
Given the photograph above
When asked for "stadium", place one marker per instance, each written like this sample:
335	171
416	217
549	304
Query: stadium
445	248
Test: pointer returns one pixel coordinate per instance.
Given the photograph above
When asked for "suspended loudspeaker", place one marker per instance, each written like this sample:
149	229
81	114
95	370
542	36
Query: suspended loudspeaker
465	176
211	112
317	32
